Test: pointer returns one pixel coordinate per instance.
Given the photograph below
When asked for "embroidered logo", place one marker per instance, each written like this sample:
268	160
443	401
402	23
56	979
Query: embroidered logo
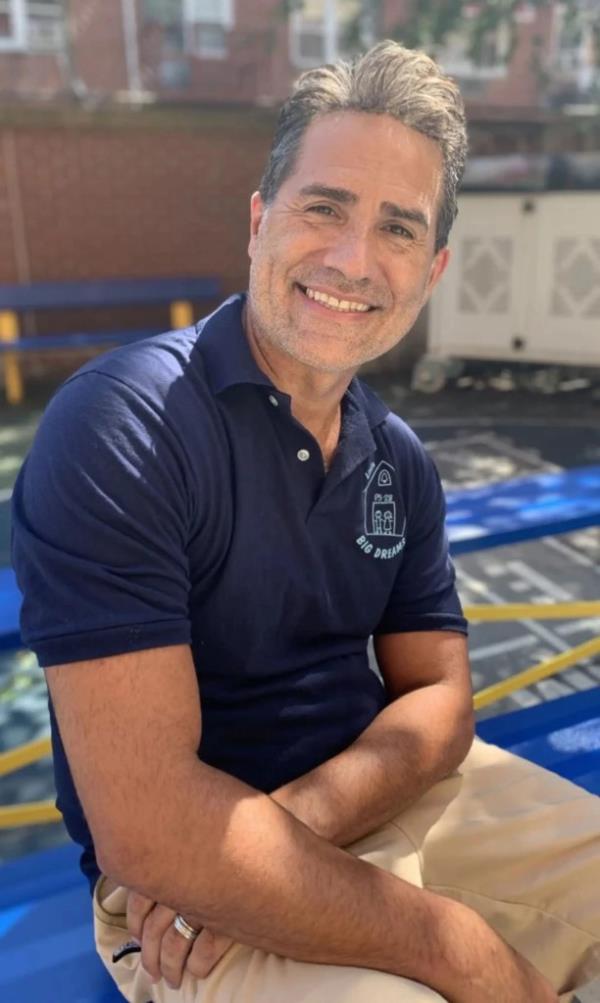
381	538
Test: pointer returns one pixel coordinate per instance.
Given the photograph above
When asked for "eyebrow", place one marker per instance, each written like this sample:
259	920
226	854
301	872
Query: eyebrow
346	197
412	215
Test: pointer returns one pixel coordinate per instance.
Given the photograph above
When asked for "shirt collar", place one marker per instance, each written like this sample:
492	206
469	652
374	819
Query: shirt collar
229	362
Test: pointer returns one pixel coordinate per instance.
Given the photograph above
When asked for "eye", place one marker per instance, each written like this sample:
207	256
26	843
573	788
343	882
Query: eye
397	230
322	209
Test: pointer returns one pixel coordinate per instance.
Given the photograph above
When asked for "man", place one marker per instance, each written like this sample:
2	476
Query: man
210	526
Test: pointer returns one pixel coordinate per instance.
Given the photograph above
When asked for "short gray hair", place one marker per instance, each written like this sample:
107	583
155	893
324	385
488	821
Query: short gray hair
389	79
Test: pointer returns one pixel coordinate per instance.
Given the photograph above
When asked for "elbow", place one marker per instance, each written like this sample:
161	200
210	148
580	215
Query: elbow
128	845
123	861
465	734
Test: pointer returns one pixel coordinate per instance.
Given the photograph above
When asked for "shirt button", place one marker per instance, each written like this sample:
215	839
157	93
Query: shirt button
303	454
273	400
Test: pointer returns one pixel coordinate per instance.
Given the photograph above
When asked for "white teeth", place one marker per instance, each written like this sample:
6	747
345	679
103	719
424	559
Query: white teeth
343	306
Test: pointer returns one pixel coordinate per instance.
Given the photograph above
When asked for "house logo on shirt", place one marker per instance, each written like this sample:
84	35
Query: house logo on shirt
382	514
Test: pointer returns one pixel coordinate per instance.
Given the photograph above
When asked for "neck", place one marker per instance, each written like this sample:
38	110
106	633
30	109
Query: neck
316	395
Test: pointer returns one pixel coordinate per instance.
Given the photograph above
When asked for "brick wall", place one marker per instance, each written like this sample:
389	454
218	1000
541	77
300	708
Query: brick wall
523	86
98	45
150	193
22	75
257	68
130	195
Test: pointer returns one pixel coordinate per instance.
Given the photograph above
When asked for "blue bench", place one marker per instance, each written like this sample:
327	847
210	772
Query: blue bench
525	508
10	604
562	735
97	293
46	938
15	300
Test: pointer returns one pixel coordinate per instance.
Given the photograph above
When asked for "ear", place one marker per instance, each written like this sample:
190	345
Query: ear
438	267
257	209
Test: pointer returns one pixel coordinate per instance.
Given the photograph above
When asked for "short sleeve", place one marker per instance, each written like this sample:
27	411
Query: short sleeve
424	594
99	526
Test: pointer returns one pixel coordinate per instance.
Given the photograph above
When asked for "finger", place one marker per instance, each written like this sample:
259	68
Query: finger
155	927
138	907
174	953
206	952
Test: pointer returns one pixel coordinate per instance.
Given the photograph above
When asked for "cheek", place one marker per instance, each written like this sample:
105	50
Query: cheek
288	244
409	283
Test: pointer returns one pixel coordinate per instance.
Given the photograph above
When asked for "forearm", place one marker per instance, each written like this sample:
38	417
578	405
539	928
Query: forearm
415	741
273	884
228	858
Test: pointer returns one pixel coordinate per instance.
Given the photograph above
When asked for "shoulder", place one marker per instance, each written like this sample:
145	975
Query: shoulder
403	438
138	419
158	370
156	384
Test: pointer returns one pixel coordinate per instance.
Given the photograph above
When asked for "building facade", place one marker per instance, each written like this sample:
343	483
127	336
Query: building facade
249	51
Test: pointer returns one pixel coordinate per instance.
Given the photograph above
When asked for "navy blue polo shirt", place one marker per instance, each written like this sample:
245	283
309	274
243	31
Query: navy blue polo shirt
171	497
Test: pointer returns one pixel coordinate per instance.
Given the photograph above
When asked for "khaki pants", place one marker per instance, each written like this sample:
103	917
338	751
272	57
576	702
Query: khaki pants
515	842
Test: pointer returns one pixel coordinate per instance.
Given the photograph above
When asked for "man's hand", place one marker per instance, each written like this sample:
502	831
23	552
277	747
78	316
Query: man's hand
503	975
165	952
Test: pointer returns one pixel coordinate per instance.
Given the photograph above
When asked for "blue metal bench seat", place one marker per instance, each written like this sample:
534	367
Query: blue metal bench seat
105	293
46	938
10	604
525	508
179	292
562	735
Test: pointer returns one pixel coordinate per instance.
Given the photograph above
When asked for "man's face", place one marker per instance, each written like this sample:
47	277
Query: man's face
343	259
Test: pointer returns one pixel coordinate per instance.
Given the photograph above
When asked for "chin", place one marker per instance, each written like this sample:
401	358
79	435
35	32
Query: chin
328	362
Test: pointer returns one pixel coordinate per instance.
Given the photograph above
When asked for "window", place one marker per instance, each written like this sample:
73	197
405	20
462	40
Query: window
325	30
31	25
453	55
573	60
206	26
45	25
309	39
13	25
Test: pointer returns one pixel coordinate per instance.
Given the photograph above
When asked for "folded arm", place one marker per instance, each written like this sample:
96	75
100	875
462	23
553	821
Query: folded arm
422	735
231	859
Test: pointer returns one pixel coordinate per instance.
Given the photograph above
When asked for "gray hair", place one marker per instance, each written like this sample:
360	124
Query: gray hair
387	80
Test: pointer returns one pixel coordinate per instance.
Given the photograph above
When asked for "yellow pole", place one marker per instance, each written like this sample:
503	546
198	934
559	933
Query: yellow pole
533	675
13	380
33	813
23	755
531	611
182	314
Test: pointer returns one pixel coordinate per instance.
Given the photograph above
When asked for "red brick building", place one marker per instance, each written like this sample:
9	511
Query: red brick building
248	51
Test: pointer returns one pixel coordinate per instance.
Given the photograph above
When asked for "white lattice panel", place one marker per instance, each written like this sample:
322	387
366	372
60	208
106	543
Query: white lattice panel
523	282
567	307
477	308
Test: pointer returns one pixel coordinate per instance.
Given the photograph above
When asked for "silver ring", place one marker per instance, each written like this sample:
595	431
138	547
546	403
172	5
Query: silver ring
184	928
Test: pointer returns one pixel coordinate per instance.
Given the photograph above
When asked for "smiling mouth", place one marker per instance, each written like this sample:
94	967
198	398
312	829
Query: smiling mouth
333	303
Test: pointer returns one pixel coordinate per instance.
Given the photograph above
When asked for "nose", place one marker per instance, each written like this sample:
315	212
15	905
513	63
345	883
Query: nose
351	254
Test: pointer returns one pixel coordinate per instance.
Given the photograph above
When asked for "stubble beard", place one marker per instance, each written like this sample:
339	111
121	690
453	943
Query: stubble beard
286	336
